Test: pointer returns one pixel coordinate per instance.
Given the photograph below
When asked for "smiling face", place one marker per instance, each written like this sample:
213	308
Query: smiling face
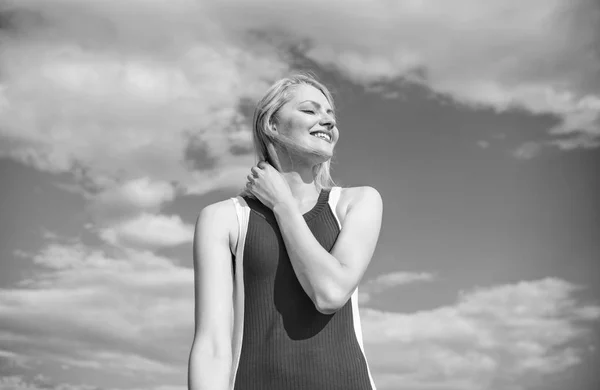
308	119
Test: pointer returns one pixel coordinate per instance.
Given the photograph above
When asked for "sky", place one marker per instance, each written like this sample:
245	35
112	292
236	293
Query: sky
478	123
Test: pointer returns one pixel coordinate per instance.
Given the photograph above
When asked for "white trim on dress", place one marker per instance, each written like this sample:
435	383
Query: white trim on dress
243	215
334	197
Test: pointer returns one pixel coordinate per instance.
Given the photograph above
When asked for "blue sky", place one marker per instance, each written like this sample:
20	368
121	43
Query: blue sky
479	124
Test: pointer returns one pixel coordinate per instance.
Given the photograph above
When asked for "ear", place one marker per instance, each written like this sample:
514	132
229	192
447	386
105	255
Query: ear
272	127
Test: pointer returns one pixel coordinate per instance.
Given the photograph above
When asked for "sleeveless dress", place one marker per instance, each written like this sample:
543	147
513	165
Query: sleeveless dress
280	340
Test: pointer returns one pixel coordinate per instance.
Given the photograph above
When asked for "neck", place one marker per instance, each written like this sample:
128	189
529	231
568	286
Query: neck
298	174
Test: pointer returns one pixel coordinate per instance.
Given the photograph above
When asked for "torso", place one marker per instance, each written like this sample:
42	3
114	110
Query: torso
286	342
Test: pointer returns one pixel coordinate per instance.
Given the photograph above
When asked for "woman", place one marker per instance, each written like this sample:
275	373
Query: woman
291	251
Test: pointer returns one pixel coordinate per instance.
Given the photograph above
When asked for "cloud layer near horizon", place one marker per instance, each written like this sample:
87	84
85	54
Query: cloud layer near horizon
117	302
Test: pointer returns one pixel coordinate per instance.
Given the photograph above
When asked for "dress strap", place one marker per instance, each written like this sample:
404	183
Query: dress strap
334	197
243	216
242	210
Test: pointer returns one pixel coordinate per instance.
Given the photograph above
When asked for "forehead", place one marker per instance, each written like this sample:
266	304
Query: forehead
305	92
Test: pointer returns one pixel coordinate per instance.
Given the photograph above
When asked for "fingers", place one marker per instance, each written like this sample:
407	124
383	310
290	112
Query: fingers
250	183
257	171
260	168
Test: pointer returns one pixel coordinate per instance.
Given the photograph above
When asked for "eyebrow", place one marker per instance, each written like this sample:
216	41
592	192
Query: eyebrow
329	111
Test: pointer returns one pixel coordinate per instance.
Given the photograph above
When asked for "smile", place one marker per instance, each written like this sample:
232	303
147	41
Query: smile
322	135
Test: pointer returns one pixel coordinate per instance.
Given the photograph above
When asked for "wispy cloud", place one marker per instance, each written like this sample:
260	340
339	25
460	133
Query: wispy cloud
140	101
490	338
149	231
160	88
496	337
15	382
538	56
89	309
527	151
141	193
386	281
104	92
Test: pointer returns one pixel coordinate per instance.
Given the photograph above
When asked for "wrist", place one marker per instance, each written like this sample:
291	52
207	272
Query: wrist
283	207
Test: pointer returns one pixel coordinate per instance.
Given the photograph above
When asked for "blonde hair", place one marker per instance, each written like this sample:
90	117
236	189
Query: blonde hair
265	116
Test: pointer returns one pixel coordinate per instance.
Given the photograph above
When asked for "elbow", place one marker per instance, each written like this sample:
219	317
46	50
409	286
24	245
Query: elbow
208	357
330	302
217	347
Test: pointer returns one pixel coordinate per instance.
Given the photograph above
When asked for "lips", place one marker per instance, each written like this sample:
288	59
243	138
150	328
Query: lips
324	135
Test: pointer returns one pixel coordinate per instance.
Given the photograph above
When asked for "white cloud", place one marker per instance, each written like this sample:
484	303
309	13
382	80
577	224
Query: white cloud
140	102
118	95
399	278
15	382
39	382
10	360
517	332
583	140
538	56
137	193
390	280
117	202
527	150
95	88
91	310
150	231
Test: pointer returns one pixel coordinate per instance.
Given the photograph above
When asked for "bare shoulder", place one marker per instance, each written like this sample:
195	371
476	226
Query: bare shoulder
354	195
364	195
221	217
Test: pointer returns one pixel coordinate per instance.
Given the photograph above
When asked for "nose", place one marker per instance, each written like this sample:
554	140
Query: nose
327	121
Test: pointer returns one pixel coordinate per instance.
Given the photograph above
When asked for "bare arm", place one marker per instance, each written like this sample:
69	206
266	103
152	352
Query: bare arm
329	279
210	356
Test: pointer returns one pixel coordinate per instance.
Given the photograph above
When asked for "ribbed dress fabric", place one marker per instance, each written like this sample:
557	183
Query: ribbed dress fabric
286	343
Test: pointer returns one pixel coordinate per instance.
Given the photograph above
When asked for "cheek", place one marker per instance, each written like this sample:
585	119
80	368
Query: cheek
295	124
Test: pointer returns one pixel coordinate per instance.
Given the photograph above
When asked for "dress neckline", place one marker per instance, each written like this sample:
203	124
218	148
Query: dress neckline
316	209
262	210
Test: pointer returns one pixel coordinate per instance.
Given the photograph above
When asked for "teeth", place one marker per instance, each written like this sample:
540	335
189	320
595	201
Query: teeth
321	135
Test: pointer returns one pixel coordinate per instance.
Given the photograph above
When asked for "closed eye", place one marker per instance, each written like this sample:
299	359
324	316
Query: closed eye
308	111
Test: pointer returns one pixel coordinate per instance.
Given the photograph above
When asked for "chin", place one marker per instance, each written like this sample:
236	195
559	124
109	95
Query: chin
326	156
315	153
